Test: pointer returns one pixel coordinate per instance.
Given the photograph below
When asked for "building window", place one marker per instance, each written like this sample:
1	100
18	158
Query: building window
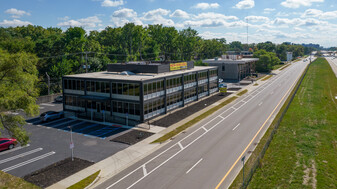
125	89
223	67
137	89
120	88
114	88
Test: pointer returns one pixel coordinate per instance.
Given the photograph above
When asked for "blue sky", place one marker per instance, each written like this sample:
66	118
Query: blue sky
297	21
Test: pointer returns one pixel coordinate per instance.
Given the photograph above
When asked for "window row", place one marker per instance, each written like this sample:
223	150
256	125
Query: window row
73	84
126	108
130	89
213	73
173	82
74	101
153	87
202	75
190	93
174	98
189	78
98	86
154	105
213	85
202	88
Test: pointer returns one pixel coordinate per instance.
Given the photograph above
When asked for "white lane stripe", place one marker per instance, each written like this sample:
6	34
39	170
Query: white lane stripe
20	155
260	103
236	127
144	170
28	161
127	175
41	107
272	93
193	166
205	129
45	104
180	145
14	149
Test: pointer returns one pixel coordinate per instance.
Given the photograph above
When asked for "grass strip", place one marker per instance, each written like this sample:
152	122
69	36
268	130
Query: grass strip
256	84
277	66
10	181
85	182
251	163
193	121
284	67
266	77
242	92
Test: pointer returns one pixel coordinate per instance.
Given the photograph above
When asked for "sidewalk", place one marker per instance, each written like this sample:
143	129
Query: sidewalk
125	158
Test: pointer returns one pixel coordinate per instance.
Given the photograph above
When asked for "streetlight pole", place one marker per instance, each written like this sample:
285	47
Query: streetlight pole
71	143
243	170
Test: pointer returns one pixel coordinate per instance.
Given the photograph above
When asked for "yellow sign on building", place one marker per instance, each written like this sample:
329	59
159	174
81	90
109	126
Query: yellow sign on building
178	66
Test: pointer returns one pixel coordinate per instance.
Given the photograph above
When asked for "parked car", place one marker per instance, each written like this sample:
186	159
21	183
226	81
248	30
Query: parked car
7	143
51	115
59	99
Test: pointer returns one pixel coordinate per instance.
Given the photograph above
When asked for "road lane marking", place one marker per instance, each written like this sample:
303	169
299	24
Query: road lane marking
260	103
14	149
45	104
236	126
144	170
272	92
205	129
20	155
239	158
41	108
180	145
27	162
57	120
193	166
174	145
63	123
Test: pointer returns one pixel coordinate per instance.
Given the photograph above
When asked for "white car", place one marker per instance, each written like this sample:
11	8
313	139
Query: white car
51	115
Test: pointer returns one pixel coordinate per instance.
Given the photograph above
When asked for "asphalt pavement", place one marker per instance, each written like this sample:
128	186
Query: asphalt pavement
209	154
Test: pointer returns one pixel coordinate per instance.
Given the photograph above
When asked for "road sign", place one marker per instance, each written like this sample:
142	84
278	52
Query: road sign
71	146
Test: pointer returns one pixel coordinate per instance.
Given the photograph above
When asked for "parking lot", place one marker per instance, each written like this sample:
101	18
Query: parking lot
50	143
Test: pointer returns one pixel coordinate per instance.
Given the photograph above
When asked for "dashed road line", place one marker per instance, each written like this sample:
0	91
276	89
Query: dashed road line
193	166
236	126
14	149
260	103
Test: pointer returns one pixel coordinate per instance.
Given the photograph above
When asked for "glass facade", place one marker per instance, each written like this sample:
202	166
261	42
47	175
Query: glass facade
121	100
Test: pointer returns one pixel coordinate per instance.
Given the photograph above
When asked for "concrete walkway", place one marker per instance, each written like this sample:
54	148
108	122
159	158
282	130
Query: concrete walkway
125	158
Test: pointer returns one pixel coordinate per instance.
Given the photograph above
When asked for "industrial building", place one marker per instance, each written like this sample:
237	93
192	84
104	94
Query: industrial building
233	68
134	92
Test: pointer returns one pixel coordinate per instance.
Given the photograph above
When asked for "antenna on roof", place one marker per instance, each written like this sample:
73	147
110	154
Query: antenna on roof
247	33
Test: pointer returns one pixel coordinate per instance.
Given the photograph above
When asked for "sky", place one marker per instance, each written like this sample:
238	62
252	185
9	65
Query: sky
296	21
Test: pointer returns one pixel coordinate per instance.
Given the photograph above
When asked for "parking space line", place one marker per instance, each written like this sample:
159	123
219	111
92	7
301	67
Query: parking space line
64	123
89	126
28	161
48	123
108	132
20	155
72	126
14	149
45	104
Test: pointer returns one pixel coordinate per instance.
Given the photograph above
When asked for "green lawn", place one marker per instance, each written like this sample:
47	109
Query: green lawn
85	182
10	181
303	152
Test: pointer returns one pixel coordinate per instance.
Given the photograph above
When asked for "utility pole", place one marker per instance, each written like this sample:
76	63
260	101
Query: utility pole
243	170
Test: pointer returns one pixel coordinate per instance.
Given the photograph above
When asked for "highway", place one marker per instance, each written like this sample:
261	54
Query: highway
208	155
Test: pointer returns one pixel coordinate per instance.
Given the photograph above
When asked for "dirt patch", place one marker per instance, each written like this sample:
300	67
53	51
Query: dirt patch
56	172
309	177
132	137
188	110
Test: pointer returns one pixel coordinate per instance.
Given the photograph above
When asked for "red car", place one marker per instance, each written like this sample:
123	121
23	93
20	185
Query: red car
7	143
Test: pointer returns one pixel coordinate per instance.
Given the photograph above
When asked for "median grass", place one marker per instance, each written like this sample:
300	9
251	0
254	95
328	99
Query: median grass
284	67
193	121
85	182
303	152
242	92
10	181
277	66
266	77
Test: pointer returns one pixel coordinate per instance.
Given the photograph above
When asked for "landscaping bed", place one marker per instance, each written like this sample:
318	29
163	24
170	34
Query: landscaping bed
132	137
56	172
188	110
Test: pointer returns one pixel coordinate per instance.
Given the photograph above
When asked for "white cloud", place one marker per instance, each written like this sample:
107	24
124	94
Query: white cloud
257	18
282	14
204	6
298	3
64	18
268	10
15	13
245	4
180	14
14	23
319	14
90	22
111	3
123	16
211	35
212	15
299	22
154	14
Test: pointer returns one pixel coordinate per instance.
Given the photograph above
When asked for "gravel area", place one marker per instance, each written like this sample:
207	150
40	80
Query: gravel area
132	137
188	110
56	172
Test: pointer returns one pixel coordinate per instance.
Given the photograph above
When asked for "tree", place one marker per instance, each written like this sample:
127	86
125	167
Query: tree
266	60
18	79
